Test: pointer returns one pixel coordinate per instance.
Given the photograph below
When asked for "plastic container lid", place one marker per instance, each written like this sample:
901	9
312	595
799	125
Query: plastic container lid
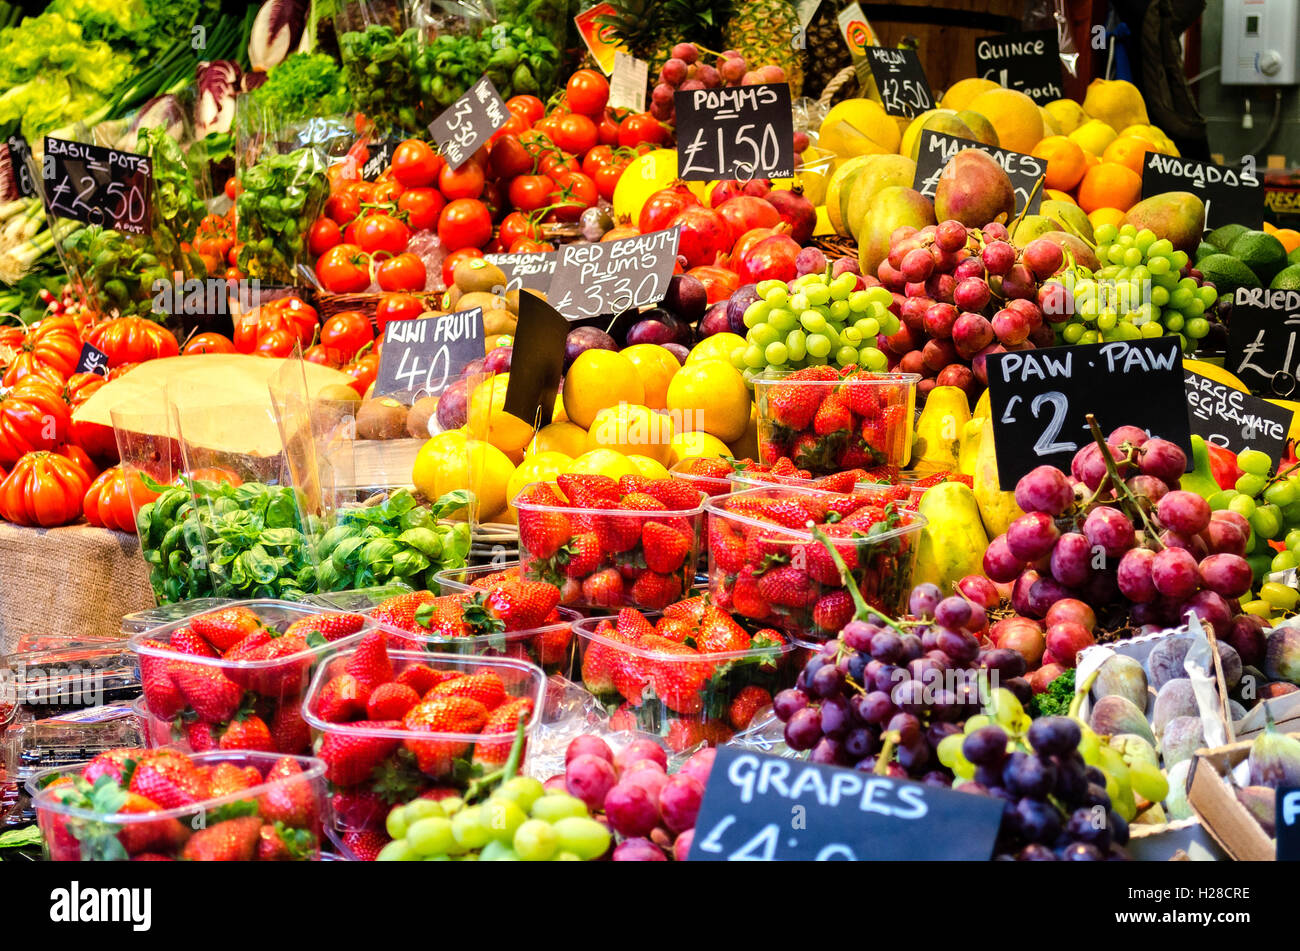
151	618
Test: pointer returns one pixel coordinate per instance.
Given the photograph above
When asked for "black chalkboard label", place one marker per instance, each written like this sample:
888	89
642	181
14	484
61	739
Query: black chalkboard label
1263	350
537	361
739	132
900	81
20	158
92	360
1025	171
469	122
380	155
610	277
1229	417
1040	400
1026	62
1288	825
97	185
526	269
1231	194
424	355
769	809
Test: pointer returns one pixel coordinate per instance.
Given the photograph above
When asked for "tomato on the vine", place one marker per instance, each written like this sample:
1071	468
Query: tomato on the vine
587	91
415	164
517	225
529	246
363	372
513	125
464	182
606	179
556	164
509	158
347	332
324	234
530	192
387	191
402	273
378	234
278	343
641	127
596	157
573	193
209	342
548	126
576	133
399	306
607	129
529	107
344	269
324	356
422	207
344	204
465	223
233	188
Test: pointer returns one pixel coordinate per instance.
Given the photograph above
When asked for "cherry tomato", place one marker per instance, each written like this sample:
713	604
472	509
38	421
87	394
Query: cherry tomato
556	164
464	223
344	269
606	179
587	92
530	192
415	164
207	343
278	343
422	207
576	133
324	234
574	192
597	157
387	190
548	126
530	107
378	234
403	273
641	127
529	246
512	126
233	188
463	182
399	306
233	274
343	206
347	332
517	225
509	158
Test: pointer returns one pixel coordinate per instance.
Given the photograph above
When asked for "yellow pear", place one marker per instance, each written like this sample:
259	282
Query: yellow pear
939	429
953	541
1117	102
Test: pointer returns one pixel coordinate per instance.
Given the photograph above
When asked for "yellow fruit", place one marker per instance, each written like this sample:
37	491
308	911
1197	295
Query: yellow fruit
558	415
858	127
961	93
746	447
568	438
1050	125
952	544
644	176
543	467
1067	114
442	465
1216	373
1115	101
647	467
715	347
1106	216
449	461
841	182
605	462
998	508
488	417
597	379
979	126
939	429
1014	115
1294	431
813	181
709	396
490	473
823	225
628	428
1093	136
656	366
696	446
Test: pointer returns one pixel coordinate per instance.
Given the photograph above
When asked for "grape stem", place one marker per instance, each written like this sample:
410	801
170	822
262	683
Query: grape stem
1081	691
886	754
1122	490
861	610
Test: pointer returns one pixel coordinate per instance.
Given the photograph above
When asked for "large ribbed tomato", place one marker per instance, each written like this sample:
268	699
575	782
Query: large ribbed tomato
43	489
132	340
286	313
51	349
33	415
80	386
114	497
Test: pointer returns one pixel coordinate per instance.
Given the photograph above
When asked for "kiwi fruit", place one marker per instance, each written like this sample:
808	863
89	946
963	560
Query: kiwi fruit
499	321
381	418
481	299
477	274
338	393
418	416
512	300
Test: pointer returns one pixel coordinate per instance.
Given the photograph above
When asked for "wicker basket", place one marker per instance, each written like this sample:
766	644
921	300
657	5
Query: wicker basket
330	304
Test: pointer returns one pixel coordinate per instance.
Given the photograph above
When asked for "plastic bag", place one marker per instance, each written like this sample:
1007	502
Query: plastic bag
1052	15
379	48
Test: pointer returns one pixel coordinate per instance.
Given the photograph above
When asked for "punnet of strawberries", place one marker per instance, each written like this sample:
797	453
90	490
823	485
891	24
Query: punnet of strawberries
164	805
503	617
690	675
766	566
233	678
716	476
610	544
393	725
829	420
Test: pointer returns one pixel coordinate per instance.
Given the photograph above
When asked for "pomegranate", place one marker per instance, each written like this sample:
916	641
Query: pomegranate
796	210
719	282
705	235
725	190
620	231
770	259
745	243
745	212
664	205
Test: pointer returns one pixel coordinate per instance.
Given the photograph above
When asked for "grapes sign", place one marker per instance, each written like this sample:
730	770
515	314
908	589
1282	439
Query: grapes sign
740	132
1040	399
900	81
1026	62
423	356
610	277
1263	350
97	185
769	809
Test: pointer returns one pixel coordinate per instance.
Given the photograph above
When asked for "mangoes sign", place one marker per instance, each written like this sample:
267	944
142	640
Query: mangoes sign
1263	350
1040	400
1025	171
1026	62
1231	194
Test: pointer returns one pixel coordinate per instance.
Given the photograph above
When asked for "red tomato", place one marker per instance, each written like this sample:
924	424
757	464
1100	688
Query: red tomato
606	179
529	246
517	225
33	415
494	198
597	157
576	133
43	489
51	349
607	129
415	164
548	126
232	188
555	164
465	223
363	372
422	207
403	273
574	192
347	332
324	356
114	497
324	234
450	261
207	343
509	158
400	306
278	343
529	107
344	269
641	127
388	190
587	92
530	192
343	206
512	126
378	234
463	182
132	340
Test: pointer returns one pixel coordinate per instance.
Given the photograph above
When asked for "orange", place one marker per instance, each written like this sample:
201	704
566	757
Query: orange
1289	237
1054	195
1130	151
1106	216
1065	162
1110	185
1270	228
656	367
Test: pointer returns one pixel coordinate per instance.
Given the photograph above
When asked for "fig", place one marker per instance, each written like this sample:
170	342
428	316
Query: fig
1122	677
1114	714
1174	699
1246	634
1282	654
1230	660
1183	736
1274	757
1261	803
1166	660
1176	806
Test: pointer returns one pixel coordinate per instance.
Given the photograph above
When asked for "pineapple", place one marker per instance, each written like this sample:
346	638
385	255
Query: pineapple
651	28
763	31
825	52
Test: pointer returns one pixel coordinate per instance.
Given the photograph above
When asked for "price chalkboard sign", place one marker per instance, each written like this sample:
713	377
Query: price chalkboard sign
1231	194
768	809
530	269
1229	417
381	154
424	355
1263	350
20	168
97	185
1025	171
1288	825
610	277
900	81
740	132
92	360
469	122
1026	62
537	361
1040	399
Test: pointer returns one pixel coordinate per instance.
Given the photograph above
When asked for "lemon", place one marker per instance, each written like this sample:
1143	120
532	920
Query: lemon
490	472
716	347
488	416
449	461
1093	136
558	415
710	396
696	446
656	366
628	428
648	467
563	436
858	127
597	379
746	447
1067	114
605	462
543	467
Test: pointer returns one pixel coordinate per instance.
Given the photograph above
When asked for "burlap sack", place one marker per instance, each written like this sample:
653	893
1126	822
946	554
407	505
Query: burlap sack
75	580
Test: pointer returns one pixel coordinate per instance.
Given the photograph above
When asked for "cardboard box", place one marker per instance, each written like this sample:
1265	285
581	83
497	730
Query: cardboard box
1210	792
1184	840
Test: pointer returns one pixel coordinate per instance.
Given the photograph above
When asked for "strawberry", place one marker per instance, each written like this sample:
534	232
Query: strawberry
771	448
631	624
332	626
847	550
541	493
249	644
419	677
160	694
833	610
745	704
708	468
111	763
675	681
399	612
623	719
598	657
793	513
169	778
249	733
584	555
863	396
629	484
290	798
765	547
786	587
604	589
202	737
288	675
289	731
675	629
814	452
665	548
641	502
552	644
390	701
225	628
455	714
365	844
522	605
833	415
617	533
820	372
586	490
487	688
503	720
341	699
234	840
841	481
543	531
358	808
161	835
271	847
688	609
350	755
210	693
653	591
720	634
684	735
369	663
745	598
726	547
185	641
228	778
792	406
